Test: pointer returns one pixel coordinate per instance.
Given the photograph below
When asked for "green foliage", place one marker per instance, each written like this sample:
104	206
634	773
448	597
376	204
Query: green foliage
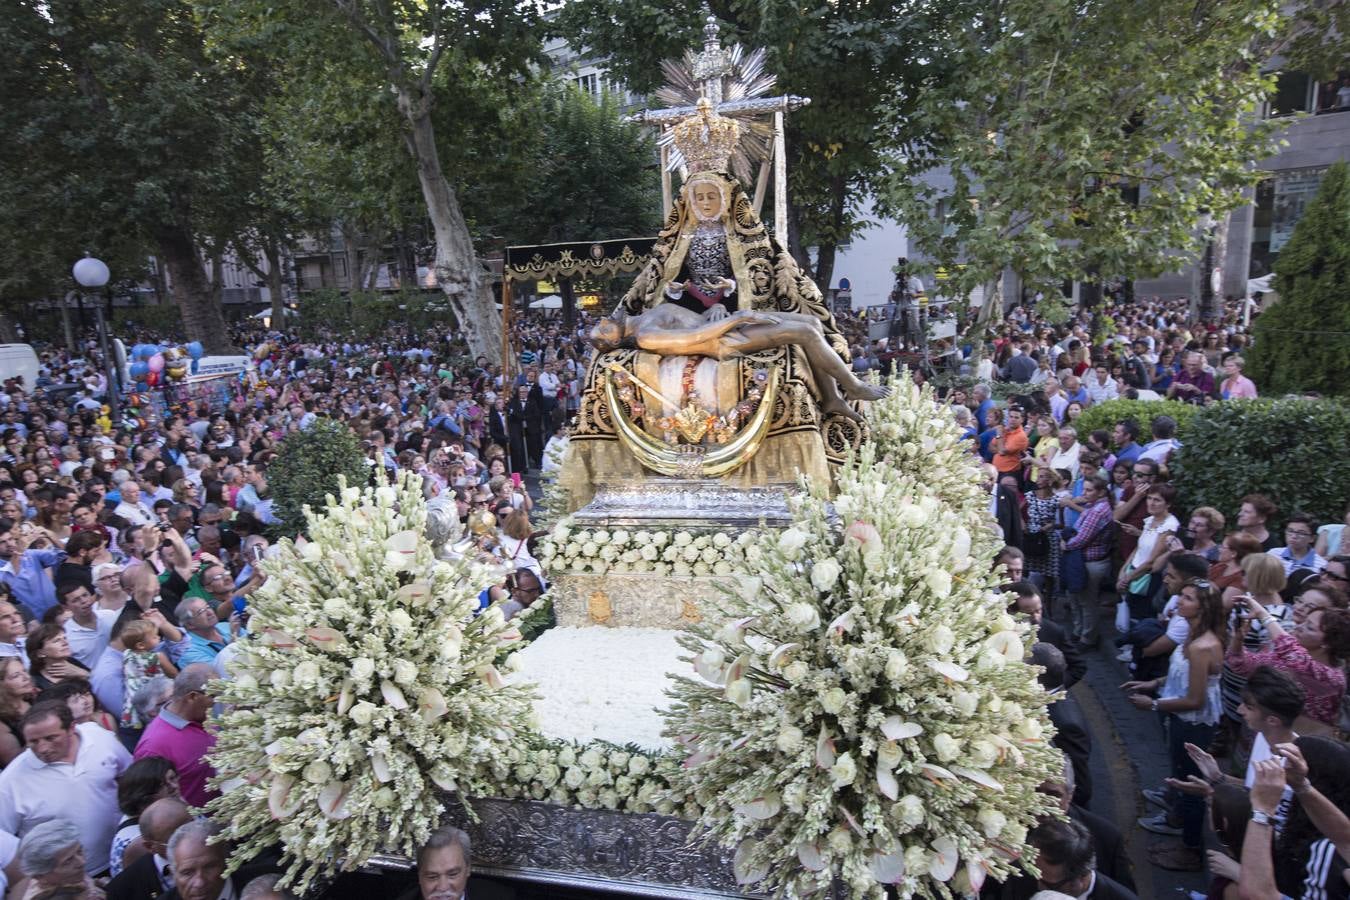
161	319
1294	450
1302	341
1053	110
1106	415
308	466
945	382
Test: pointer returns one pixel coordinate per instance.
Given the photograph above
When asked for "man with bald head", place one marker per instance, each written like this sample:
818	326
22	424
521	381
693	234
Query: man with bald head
150	875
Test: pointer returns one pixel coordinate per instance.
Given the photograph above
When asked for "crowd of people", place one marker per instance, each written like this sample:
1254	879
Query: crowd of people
1229	626
128	552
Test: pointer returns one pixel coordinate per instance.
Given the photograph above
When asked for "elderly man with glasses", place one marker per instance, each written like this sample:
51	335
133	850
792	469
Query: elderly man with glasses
206	634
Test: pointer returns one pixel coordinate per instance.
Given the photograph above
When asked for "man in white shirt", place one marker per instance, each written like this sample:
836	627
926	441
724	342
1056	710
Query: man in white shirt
131	509
1066	457
1101	386
89	626
68	772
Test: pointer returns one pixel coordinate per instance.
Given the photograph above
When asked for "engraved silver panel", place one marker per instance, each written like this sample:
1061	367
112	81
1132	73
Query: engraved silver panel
687	503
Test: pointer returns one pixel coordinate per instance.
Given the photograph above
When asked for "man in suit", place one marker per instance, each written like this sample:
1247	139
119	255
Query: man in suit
150	876
1107	842
1071	733
443	870
1066	860
1029	603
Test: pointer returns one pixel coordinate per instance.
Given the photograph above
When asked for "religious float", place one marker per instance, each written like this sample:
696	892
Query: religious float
781	664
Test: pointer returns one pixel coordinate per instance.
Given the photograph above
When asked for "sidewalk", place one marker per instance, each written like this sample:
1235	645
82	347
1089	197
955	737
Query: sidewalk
1129	753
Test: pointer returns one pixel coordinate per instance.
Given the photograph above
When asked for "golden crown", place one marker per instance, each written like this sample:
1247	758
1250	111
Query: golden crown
706	140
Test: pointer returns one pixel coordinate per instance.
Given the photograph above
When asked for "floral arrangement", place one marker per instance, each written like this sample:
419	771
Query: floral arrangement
600	551
866	715
371	685
597	776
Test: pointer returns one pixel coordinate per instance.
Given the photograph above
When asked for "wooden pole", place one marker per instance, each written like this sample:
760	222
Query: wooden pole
761	185
506	329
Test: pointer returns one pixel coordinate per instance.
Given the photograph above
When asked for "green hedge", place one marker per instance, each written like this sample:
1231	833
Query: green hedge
1106	415
307	467
1294	450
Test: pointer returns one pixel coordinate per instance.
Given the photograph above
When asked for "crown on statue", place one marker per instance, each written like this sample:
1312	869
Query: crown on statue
706	140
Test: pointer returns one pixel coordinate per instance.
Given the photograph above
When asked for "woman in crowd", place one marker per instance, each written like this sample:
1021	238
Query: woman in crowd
1227	571
1038	460
1329	537
50	658
16	695
144	781
77	694
1136	576
1040	542
1204	530
1235	385
1189	696
1313	654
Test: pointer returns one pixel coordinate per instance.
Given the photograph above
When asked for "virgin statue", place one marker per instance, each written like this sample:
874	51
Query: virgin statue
723	351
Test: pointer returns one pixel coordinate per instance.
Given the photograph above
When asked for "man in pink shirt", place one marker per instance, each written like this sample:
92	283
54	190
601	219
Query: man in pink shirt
178	735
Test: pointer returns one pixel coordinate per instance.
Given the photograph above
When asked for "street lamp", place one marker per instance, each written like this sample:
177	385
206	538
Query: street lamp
92	274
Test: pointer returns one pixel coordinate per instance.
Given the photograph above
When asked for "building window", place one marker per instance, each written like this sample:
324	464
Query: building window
1334	96
589	84
1279	204
1293	94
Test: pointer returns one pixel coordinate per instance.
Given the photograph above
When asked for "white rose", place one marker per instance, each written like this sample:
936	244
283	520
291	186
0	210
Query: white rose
609	553
671	553
702	542
399	620
791	542
690	554
404	672
790	739
803	617
574	778
941	640
590	548
650	553
363	712
897	664
722	567
681	570
710	555
618	761
661	538
833	700
795	671
965	702
939	582
549	775
683	539
992	822
983	754
567	757
946	747
639	765
721	540
592	758
909	810
598	778
702	568
620	537
609	799
317	772
825	573
843	771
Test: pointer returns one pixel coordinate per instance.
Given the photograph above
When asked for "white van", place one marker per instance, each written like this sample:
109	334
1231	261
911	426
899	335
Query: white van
19	360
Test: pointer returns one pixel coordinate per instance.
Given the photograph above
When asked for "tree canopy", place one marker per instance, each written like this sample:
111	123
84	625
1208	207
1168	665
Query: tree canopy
1302	342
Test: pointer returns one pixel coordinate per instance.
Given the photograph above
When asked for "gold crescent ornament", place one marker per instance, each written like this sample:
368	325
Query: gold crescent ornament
694	461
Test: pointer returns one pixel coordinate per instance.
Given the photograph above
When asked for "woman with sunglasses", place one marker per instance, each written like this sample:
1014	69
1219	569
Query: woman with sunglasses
1189	697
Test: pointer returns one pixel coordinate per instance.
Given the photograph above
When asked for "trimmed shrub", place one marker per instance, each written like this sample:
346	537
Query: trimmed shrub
1302	342
1106	415
307	467
1294	450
